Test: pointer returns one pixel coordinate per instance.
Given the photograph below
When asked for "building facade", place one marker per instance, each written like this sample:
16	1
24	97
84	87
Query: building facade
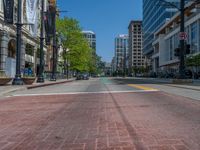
136	57
29	46
121	52
167	40
155	14
91	38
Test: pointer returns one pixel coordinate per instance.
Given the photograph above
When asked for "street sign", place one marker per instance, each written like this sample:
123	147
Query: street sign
182	35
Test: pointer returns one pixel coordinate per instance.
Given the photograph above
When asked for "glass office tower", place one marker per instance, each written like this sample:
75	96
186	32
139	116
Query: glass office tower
90	36
121	51
155	14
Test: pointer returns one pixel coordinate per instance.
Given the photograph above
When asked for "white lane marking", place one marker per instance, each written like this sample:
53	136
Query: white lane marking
76	93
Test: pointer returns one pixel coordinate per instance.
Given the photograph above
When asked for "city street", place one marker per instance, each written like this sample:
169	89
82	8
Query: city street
101	114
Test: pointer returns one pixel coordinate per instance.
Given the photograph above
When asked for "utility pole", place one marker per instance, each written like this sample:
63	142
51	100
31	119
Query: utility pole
41	69
182	44
17	80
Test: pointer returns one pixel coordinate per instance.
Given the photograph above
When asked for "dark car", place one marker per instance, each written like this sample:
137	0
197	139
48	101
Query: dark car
79	77
82	76
85	76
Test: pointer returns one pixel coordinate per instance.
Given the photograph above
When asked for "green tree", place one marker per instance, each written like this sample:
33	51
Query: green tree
100	65
193	62
80	53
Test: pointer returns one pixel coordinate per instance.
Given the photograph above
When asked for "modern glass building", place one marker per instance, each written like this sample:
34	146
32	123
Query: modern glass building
121	52
90	36
155	14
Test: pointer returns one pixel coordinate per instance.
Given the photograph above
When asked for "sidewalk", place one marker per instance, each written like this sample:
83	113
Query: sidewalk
193	86
11	88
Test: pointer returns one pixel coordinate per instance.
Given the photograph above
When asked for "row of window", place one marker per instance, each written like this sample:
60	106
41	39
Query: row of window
192	39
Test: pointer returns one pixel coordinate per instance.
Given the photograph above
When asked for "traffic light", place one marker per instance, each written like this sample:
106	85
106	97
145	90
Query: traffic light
177	52
187	49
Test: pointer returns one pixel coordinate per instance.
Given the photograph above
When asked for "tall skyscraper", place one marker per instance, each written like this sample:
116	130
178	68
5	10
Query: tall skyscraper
91	38
136	58
155	14
121	52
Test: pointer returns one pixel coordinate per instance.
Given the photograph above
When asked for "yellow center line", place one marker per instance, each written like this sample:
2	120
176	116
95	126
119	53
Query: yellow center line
141	87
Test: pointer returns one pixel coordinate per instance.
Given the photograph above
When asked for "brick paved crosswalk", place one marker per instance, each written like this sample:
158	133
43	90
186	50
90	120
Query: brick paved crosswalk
117	121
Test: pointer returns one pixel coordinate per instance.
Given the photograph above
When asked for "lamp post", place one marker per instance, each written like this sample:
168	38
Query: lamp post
53	75
182	45
41	68
17	80
124	59
53	12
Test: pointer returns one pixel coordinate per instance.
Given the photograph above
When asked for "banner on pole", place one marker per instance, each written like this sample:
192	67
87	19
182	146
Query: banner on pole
8	11
46	25
34	27
31	11
50	22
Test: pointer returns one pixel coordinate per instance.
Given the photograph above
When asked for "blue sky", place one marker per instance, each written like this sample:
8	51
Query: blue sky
107	18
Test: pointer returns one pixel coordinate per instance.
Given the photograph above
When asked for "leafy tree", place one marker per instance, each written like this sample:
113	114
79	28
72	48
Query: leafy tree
79	54
100	65
141	69
193	61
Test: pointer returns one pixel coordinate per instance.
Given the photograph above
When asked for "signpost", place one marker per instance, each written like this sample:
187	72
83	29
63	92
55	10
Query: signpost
183	36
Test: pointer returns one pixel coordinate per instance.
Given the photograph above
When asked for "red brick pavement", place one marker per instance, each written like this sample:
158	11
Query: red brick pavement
142	121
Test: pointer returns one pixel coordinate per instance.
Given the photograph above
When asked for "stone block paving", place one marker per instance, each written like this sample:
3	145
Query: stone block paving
128	121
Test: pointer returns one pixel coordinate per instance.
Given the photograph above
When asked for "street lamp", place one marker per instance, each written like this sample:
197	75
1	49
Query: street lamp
41	68
17	80
124	59
66	64
54	68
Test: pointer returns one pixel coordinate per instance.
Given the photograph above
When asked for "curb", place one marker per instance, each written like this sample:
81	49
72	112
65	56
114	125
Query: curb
188	88
12	90
47	84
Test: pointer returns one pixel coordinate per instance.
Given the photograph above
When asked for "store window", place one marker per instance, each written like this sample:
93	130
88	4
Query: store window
194	37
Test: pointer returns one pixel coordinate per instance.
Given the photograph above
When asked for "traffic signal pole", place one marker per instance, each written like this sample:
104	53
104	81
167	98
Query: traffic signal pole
182	41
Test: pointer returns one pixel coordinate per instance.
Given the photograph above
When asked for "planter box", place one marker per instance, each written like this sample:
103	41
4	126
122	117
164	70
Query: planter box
5	80
28	80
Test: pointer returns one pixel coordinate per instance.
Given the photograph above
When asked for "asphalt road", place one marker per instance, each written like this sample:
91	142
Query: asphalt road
101	114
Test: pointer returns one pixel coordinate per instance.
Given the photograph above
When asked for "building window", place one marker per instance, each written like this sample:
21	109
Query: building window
171	48
194	37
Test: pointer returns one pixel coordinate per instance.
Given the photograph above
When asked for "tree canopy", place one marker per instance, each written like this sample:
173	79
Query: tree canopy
193	61
79	53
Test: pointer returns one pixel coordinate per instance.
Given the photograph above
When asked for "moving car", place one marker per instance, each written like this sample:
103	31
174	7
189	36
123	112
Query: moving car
82	76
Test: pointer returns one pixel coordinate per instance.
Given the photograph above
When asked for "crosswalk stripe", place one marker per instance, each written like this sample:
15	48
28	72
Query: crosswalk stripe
76	93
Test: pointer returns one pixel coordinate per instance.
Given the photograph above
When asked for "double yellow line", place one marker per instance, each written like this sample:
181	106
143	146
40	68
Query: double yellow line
142	87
